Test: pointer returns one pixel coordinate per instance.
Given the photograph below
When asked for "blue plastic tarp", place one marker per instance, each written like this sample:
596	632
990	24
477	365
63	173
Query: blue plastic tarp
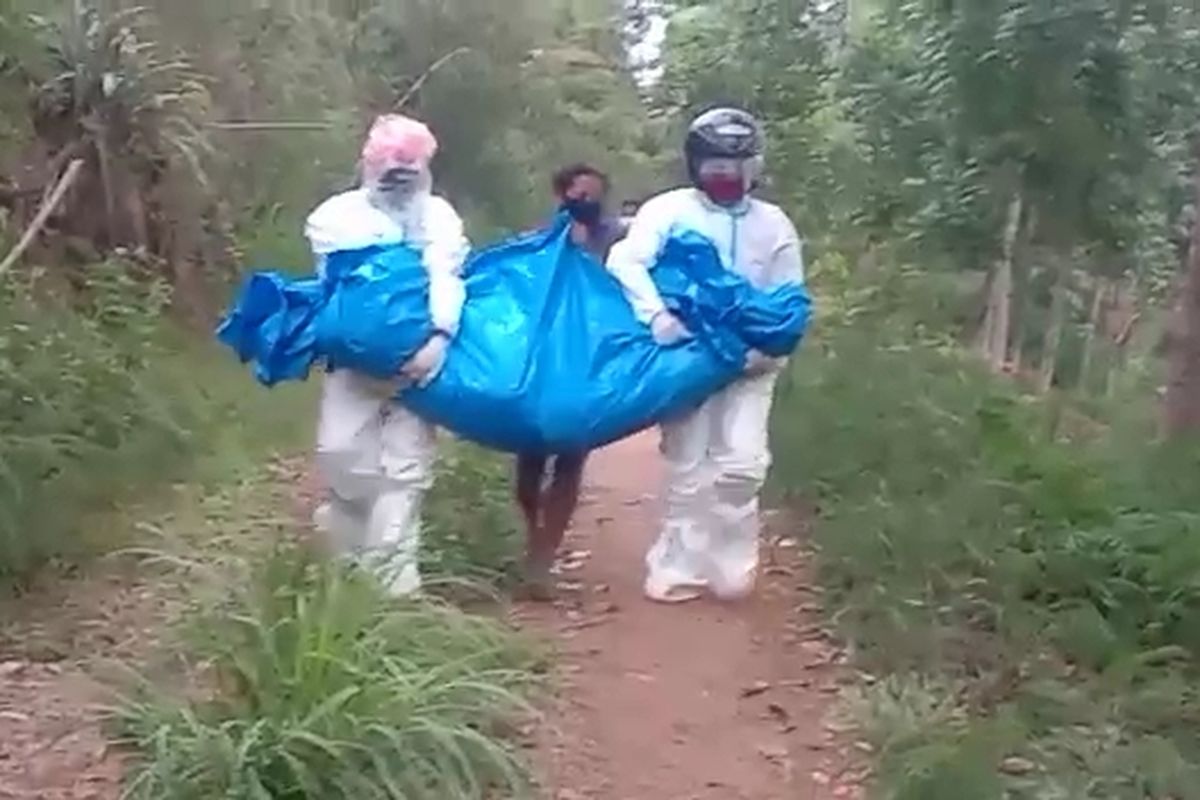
549	356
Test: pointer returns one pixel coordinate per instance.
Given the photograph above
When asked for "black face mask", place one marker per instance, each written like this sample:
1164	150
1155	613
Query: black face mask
584	211
399	181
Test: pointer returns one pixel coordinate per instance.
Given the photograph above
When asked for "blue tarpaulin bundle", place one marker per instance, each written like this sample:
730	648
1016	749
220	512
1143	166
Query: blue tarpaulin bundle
549	356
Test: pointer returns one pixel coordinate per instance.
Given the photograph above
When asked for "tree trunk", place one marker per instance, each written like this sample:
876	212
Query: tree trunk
182	248
1120	353
1181	403
1054	331
994	333
1099	298
1022	271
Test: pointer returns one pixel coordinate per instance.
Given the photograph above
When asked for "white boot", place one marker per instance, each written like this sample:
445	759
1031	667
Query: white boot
342	524
393	540
732	557
673	573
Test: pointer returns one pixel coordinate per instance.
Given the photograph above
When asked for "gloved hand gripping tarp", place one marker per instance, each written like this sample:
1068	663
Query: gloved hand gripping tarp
549	357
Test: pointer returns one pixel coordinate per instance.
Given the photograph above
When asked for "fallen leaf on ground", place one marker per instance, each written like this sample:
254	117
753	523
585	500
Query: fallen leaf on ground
781	716
1016	765
773	752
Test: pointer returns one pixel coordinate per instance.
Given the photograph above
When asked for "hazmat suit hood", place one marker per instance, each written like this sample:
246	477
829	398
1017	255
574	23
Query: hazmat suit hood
395	164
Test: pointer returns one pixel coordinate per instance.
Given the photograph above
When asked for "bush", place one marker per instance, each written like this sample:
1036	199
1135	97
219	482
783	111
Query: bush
80	417
103	395
1043	589
318	686
471	527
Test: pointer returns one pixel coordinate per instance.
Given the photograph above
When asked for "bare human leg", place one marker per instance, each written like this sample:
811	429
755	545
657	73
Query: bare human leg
560	501
538	580
530	469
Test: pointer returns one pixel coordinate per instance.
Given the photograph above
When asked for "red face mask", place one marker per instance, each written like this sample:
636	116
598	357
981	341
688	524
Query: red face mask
724	190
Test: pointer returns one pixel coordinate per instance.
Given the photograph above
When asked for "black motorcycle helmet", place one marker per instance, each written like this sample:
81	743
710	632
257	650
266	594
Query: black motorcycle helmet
723	132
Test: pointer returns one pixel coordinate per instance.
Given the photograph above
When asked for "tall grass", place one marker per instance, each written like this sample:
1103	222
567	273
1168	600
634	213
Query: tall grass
471	530
297	677
1034	598
102	395
313	684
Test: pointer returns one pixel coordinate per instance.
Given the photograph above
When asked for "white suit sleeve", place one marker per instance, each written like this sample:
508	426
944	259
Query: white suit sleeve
787	266
445	251
322	230
631	258
321	239
787	261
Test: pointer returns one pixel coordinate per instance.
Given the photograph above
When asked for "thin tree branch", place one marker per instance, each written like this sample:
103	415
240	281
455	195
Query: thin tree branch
270	126
250	126
43	215
434	67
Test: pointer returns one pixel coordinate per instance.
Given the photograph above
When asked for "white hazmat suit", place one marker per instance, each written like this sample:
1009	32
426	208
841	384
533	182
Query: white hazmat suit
717	455
376	456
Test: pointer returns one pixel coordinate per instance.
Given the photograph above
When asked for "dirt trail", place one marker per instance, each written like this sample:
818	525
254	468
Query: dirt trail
692	702
52	743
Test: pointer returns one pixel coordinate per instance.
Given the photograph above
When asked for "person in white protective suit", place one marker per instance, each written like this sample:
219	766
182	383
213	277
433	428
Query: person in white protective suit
376	456
717	455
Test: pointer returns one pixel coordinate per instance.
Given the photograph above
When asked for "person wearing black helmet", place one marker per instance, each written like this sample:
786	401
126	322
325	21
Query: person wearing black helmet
717	456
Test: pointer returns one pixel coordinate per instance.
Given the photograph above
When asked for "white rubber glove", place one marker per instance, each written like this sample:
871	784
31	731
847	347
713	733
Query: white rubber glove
426	362
667	329
759	363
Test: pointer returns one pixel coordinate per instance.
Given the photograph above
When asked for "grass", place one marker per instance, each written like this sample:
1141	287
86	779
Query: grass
291	676
287	675
1031	599
106	400
471	524
317	686
305	680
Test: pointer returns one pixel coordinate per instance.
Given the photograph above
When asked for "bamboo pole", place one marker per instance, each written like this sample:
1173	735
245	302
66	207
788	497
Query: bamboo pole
39	222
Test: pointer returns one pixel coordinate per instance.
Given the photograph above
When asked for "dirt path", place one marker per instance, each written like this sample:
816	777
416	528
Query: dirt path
694	702
52	743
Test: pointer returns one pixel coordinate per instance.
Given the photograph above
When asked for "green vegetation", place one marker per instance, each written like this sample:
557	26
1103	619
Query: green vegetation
998	195
302	678
316	685
471	530
204	133
105	402
1026	595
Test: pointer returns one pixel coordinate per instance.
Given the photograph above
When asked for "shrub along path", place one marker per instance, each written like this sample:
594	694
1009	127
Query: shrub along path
71	630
